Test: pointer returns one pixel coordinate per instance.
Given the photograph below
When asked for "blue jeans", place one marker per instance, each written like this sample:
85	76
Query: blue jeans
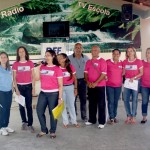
5	104
113	95
82	96
26	91
126	94
69	99
145	99
51	100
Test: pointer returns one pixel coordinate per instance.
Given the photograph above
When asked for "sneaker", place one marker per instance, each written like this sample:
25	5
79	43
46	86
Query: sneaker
31	129
24	126
88	123
3	131
101	126
9	130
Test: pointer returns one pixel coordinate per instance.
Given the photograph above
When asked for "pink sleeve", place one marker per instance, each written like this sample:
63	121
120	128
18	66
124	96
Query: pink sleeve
73	69
32	65
140	65
103	66
59	73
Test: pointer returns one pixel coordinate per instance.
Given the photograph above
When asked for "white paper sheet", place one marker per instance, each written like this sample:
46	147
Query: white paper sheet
131	85
20	99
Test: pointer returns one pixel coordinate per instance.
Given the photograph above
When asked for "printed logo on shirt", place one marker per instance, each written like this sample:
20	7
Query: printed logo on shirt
47	72
66	74
95	64
120	67
131	67
23	68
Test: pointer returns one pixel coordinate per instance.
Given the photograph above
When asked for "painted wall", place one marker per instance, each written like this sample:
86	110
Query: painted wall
89	24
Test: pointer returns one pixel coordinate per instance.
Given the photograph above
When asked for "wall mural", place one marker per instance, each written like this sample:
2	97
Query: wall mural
90	24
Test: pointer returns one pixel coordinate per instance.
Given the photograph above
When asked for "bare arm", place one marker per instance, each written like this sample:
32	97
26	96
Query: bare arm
75	85
60	84
33	82
89	84
15	83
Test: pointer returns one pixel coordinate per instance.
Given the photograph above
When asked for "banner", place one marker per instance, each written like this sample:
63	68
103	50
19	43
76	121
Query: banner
57	47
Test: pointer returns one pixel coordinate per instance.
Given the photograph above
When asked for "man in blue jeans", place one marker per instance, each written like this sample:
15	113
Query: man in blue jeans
78	60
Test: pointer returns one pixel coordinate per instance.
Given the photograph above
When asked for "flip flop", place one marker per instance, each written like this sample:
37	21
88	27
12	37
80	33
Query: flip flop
40	134
52	135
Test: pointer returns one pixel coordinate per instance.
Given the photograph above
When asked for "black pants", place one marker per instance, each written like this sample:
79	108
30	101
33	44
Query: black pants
26	91
82	97
97	100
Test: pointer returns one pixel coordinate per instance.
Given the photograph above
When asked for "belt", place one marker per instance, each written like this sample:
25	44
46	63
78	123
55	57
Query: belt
80	79
67	84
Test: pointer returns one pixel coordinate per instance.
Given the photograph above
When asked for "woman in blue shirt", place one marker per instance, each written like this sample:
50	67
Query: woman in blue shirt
5	93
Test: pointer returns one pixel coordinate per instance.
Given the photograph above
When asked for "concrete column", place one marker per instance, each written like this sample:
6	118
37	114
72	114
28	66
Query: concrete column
145	35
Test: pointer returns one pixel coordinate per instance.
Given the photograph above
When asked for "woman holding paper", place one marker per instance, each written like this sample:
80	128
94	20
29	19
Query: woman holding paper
133	70
23	75
5	93
69	90
51	79
145	84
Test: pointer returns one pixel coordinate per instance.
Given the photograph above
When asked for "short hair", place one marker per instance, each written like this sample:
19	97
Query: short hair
116	50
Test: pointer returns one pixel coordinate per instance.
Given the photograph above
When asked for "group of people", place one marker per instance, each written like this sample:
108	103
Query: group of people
65	78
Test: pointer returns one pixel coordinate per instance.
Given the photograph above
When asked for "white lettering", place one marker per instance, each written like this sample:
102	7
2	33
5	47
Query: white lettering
14	11
3	13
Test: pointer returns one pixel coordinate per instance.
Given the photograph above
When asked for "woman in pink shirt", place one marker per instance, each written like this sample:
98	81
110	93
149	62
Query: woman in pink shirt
51	79
23	75
69	89
133	70
145	84
114	84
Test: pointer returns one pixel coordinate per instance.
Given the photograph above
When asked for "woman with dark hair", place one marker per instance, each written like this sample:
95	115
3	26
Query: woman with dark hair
23	75
133	70
69	89
50	76
5	93
114	84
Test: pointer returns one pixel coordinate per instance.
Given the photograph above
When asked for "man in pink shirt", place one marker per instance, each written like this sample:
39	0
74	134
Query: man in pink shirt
95	73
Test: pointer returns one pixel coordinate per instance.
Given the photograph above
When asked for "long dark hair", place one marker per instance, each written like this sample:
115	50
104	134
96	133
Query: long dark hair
26	53
67	64
53	54
7	63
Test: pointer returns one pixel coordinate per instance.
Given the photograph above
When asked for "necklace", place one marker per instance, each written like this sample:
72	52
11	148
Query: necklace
78	61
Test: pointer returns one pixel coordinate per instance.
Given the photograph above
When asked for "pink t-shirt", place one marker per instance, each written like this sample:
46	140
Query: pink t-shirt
114	73
94	68
132	68
23	72
145	82
49	78
66	75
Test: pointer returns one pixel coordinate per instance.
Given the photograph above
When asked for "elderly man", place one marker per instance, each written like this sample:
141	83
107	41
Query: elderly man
95	72
78	60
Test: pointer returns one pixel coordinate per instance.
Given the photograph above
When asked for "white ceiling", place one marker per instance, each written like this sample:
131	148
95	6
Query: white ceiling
9	3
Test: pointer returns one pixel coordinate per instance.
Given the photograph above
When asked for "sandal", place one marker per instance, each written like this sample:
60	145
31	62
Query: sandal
143	121
76	125
133	121
116	120
40	134
111	121
52	135
65	126
128	120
